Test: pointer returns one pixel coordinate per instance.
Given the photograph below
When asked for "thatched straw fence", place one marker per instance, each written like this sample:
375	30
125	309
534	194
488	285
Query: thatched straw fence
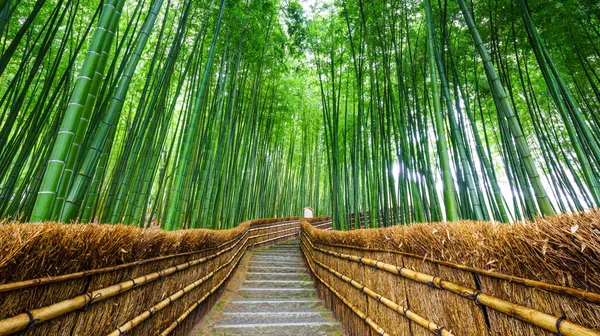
464	278
58	279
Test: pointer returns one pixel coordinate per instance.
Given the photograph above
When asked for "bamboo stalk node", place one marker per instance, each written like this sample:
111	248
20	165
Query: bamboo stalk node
434	283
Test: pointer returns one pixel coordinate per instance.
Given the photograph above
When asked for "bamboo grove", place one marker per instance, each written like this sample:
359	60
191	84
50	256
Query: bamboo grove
201	114
447	110
177	113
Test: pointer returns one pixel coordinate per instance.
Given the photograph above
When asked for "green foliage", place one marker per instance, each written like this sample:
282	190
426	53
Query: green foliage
332	106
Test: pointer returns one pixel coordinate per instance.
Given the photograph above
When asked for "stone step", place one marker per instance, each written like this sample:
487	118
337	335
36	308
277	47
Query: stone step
314	326
276	276
258	263
285	250
278	262
277	298
261	292
277	257
257	316
278	283
291	254
277	268
270	305
281	249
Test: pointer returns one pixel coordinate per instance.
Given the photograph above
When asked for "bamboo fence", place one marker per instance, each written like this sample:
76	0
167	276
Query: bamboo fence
463	278
60	279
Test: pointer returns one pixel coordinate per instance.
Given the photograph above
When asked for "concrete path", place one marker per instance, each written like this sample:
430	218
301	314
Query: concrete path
276	298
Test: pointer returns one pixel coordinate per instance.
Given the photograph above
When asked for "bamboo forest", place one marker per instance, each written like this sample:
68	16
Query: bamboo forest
203	114
300	167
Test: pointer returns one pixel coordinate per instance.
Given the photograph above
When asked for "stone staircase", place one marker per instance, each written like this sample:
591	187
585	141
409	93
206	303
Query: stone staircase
277	298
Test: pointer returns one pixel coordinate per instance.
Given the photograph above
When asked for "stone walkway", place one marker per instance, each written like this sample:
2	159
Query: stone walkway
276	298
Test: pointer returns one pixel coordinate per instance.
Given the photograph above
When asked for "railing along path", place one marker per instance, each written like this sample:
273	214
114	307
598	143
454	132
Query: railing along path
332	267
204	272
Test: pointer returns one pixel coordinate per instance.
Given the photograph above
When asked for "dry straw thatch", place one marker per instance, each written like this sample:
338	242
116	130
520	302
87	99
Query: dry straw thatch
53	264
549	265
376	328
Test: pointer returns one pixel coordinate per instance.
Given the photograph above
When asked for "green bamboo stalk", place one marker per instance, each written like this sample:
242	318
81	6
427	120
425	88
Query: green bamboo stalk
508	112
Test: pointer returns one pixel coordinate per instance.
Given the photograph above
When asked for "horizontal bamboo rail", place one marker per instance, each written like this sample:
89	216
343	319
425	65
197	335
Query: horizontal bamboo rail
357	311
78	275
268	226
273	233
326	221
273	239
190	309
573	292
323	224
540	319
172	298
425	323
39	315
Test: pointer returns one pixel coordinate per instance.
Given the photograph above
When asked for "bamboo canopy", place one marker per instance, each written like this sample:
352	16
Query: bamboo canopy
182	116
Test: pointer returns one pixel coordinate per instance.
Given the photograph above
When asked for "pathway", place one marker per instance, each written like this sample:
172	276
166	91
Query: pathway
276	298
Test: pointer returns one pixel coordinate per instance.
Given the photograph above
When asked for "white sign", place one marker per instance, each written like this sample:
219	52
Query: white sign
308	212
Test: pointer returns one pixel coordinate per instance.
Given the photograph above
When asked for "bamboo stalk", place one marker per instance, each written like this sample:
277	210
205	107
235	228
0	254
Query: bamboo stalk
573	292
357	311
545	321
425	323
